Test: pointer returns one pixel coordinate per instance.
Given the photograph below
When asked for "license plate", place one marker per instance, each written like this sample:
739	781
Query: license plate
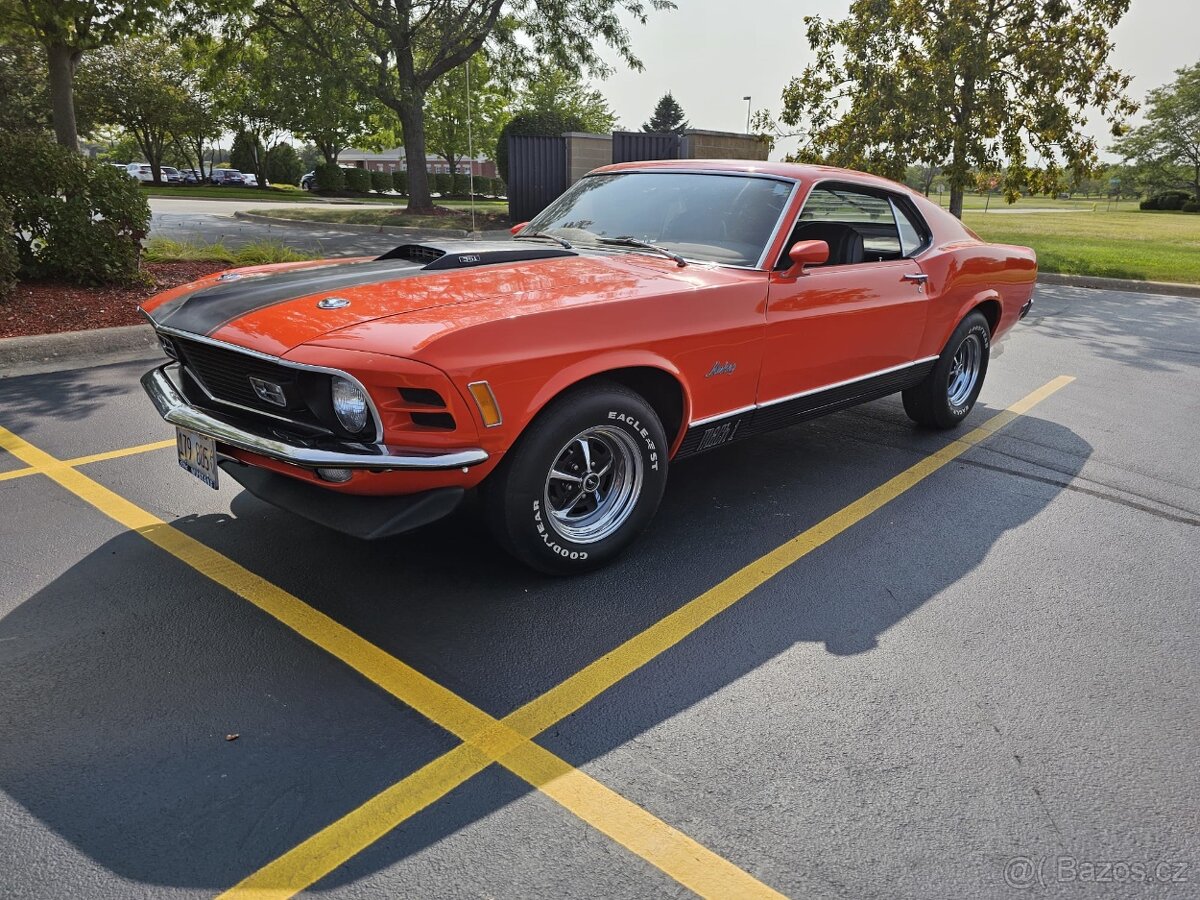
198	455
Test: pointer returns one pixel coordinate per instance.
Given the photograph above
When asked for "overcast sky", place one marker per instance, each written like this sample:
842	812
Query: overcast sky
711	53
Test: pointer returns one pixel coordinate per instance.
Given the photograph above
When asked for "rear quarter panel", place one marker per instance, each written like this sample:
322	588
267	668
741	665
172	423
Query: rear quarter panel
965	272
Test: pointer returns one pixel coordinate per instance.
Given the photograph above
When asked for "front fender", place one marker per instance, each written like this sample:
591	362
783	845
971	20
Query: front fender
599	365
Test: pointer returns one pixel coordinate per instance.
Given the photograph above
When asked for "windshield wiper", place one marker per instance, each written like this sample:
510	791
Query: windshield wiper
523	236
626	240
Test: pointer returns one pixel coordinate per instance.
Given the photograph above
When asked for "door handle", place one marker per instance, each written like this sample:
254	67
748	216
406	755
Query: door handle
919	280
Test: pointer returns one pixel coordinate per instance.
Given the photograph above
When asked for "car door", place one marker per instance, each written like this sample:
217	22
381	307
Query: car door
860	317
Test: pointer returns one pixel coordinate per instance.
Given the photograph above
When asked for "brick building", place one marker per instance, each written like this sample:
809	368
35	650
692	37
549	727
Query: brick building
393	160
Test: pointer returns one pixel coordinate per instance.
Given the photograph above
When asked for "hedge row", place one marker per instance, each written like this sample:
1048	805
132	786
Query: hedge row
1171	200
337	179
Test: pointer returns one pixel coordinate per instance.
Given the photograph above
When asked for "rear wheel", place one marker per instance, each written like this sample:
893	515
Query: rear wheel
943	399
582	482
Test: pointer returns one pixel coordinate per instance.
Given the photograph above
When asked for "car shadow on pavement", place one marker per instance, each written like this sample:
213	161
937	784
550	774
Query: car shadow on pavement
128	670
1149	332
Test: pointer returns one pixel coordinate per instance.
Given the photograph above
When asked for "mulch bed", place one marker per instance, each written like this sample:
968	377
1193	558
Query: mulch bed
47	307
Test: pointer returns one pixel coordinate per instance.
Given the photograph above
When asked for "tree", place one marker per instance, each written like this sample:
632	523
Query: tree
23	86
667	117
414	43
249	155
318	90
970	84
1168	145
139	85
446	108
199	116
284	165
66	29
554	102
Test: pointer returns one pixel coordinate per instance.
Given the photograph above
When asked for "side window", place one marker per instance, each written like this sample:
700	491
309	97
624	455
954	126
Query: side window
911	239
859	227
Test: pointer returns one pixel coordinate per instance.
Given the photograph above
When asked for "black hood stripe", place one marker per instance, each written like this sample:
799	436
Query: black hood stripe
207	310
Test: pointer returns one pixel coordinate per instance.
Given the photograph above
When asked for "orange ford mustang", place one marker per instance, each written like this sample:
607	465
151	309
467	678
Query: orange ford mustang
652	312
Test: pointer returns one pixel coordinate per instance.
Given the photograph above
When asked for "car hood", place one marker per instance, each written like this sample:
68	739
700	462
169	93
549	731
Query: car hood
273	309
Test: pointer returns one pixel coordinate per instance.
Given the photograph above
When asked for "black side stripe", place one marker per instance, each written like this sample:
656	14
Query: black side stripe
208	309
800	409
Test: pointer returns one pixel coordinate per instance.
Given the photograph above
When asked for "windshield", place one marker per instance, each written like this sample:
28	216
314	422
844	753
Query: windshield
725	219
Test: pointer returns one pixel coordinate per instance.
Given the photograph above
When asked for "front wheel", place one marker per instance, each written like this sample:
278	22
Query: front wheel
582	482
943	399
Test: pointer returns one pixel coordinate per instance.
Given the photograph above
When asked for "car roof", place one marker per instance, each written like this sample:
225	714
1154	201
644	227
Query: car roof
798	171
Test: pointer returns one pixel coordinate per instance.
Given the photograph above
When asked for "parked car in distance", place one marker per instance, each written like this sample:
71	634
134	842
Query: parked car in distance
653	312
124	167
307	180
227	176
140	171
191	176
171	175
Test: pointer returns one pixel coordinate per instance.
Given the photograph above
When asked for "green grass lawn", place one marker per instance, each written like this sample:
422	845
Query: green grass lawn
457	214
1148	246
975	201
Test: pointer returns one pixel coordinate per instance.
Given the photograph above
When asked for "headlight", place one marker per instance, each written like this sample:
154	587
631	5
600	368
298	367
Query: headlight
350	405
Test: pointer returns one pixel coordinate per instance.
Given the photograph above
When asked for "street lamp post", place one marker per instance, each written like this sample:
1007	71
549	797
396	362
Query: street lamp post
747	99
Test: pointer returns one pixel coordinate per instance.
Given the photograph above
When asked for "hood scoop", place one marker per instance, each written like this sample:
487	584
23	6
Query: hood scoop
466	254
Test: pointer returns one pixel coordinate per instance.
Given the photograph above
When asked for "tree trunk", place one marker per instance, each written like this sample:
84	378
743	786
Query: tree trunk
62	60
956	200
411	111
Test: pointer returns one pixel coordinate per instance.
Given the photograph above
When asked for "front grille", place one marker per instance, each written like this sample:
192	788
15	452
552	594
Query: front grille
225	375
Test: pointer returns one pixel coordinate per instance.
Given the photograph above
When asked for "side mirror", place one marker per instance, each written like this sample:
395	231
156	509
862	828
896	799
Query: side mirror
806	253
517	229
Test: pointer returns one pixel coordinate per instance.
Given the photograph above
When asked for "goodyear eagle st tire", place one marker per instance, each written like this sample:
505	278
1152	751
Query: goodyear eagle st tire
943	399
582	482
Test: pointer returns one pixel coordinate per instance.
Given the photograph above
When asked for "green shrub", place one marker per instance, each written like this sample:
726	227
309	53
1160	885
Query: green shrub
10	261
441	183
358	180
1170	200
1191	206
283	165
499	189
381	182
461	184
74	219
329	177
400	182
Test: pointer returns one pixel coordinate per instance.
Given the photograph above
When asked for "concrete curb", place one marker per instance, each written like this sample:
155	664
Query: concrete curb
76	349
1120	284
348	226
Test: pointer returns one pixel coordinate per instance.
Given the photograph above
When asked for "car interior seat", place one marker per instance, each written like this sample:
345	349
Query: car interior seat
845	242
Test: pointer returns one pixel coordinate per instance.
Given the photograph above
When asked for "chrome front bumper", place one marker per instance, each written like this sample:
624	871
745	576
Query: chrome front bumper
174	407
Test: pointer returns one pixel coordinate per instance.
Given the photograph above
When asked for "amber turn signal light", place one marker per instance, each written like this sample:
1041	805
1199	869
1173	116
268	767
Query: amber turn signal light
481	391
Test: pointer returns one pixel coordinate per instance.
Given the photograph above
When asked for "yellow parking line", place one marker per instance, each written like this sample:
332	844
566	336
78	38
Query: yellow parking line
344	838
667	848
95	457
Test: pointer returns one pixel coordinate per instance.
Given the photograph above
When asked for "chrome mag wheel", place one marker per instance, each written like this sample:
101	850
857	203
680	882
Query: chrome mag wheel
964	370
594	484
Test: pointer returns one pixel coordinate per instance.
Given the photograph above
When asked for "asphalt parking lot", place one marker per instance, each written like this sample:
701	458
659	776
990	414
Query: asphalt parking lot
850	659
